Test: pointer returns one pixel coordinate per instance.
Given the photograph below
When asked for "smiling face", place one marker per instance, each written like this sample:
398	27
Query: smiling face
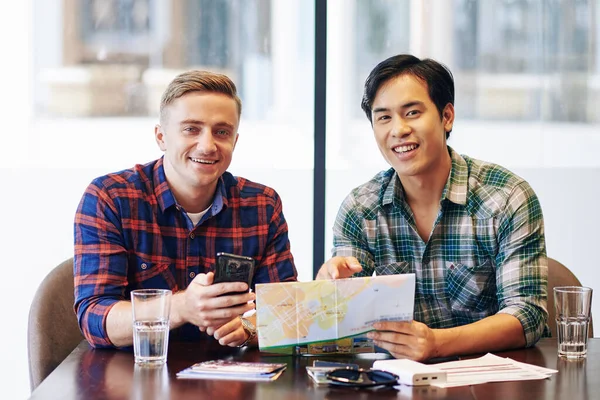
198	136
408	129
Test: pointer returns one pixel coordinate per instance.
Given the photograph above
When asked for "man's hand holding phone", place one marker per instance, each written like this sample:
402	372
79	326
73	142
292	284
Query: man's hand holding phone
211	303
234	268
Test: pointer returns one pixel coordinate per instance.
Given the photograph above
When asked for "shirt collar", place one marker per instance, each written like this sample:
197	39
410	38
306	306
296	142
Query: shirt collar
166	199
393	191
163	193
455	189
457	184
220	199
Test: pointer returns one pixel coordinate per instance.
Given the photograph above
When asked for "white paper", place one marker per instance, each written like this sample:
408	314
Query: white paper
489	368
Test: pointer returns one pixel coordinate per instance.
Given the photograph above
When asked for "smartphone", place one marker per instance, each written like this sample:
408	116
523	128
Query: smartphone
234	268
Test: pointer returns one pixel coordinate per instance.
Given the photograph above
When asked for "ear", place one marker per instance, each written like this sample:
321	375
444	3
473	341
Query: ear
448	117
237	136
159	136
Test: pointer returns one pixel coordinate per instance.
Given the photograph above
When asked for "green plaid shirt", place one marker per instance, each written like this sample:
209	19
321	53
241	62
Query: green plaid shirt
485	255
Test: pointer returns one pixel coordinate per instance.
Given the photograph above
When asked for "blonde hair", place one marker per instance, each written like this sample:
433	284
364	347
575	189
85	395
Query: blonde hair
198	81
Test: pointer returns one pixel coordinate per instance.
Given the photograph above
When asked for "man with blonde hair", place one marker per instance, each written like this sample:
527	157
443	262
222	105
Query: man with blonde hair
160	225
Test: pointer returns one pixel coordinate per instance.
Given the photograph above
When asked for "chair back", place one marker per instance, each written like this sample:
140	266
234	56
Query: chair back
559	275
53	331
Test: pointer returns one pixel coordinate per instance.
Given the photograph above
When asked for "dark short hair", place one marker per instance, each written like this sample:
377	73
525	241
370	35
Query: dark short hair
198	81
435	75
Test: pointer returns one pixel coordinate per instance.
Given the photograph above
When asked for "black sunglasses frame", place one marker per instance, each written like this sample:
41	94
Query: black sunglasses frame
375	377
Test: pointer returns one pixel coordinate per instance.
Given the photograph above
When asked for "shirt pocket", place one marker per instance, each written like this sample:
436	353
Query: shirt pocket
471	288
151	273
400	267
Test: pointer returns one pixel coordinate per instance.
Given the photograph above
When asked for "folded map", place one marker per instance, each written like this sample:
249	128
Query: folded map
295	313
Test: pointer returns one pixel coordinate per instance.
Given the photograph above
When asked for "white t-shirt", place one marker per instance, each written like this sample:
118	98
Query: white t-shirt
196	217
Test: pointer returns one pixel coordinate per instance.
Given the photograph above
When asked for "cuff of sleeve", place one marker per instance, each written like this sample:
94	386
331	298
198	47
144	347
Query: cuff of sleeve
95	324
531	318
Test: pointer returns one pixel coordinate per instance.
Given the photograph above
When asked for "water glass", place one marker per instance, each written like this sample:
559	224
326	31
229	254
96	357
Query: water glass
151	308
573	304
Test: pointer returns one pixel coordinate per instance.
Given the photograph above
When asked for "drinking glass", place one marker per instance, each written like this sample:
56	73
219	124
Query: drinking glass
573	304
151	309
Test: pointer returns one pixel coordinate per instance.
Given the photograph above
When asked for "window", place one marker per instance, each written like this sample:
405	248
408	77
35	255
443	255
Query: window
526	75
105	64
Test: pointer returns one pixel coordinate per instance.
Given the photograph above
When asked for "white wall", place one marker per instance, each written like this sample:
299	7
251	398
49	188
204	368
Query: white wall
15	35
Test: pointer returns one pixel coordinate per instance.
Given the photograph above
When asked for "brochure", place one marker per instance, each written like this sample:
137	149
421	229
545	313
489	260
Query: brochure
291	314
233	370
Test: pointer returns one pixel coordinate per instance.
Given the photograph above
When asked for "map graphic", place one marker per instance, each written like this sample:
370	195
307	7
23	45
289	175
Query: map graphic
294	313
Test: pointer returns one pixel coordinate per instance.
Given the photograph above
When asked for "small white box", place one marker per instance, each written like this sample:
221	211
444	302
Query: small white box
412	372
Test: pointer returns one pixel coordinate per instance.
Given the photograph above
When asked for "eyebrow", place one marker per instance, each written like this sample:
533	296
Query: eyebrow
198	122
406	105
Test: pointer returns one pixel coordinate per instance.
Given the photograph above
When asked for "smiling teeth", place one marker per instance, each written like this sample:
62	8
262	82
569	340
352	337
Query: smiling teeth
201	161
404	149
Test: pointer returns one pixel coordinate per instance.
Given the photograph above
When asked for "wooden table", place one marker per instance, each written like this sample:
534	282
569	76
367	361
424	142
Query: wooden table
112	374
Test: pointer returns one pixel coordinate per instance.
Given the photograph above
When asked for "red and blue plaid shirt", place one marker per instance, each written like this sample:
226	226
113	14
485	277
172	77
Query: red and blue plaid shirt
130	233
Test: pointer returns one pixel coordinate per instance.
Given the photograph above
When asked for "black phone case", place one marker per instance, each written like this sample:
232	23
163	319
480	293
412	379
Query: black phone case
234	268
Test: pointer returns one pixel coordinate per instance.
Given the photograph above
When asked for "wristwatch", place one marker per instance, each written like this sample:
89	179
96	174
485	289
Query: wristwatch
250	330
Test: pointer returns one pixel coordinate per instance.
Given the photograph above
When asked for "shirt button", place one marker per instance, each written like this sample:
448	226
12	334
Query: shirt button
451	266
192	235
192	275
144	266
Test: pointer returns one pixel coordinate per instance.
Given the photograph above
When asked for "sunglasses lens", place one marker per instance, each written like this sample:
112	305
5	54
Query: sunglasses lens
381	377
349	374
354	377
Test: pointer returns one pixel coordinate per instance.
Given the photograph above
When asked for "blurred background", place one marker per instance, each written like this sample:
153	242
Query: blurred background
82	81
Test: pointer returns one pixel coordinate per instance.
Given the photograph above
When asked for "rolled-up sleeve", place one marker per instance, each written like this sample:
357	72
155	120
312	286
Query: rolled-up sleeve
349	239
522	274
100	263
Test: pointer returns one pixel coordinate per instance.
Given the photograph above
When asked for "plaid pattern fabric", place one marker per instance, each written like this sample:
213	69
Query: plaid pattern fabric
486	253
130	233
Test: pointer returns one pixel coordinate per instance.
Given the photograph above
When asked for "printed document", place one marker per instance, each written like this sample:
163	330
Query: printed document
489	368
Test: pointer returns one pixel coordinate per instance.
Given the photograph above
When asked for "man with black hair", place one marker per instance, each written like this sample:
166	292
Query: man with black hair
471	231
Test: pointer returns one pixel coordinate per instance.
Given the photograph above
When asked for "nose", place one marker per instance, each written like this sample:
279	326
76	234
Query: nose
206	142
400	127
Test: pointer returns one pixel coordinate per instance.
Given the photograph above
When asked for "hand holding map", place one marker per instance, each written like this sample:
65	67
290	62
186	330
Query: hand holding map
294	313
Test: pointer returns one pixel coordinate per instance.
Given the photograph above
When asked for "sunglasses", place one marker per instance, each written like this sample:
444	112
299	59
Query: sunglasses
361	377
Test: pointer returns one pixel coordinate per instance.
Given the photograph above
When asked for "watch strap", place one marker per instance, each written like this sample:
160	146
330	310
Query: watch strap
249	329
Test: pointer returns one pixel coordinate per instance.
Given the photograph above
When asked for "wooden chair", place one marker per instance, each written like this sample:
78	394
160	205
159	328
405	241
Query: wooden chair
559	275
53	331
